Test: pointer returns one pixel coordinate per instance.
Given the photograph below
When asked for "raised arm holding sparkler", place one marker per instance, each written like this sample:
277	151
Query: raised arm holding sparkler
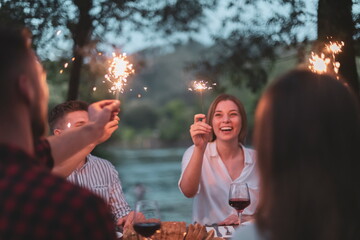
216	159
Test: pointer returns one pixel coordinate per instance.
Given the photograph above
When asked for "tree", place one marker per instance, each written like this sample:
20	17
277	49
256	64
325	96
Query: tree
89	20
250	43
335	19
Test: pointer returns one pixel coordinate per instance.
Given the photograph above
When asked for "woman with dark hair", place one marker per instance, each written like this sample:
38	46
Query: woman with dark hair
307	136
217	159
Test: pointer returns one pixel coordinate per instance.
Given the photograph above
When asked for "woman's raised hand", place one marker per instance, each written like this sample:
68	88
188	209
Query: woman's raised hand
200	131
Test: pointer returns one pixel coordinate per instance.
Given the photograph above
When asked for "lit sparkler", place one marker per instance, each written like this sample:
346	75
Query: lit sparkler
335	47
118	72
201	86
320	64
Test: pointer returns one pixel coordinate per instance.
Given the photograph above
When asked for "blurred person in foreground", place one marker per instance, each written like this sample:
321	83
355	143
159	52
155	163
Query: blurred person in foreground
217	159
307	136
35	204
94	173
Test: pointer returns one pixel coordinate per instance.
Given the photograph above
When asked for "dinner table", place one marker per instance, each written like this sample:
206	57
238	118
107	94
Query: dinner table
178	230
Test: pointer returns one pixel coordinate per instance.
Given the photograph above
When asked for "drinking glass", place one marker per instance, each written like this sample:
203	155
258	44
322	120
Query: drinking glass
147	218
239	197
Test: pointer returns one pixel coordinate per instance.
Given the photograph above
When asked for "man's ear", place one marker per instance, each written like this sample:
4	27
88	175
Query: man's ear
57	131
26	88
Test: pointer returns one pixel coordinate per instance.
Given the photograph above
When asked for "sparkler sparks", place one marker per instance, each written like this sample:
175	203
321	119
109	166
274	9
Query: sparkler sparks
320	64
118	72
66	65
335	47
201	86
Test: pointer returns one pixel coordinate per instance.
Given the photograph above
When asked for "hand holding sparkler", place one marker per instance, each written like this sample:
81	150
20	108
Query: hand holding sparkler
200	131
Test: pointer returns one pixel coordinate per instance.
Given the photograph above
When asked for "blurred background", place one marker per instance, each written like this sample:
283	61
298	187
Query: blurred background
236	46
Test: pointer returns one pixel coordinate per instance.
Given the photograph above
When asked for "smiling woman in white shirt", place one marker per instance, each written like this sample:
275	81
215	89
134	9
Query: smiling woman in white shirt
217	159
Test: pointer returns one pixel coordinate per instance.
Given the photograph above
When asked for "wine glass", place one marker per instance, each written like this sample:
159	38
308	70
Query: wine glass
147	218
239	197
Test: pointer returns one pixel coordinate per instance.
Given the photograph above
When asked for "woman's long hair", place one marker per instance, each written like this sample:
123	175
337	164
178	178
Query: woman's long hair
307	136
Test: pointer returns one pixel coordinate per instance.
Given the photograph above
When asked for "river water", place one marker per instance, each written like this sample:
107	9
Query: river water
157	171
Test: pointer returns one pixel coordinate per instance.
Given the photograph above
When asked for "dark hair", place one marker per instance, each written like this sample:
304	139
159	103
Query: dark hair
307	137
60	110
211	112
15	52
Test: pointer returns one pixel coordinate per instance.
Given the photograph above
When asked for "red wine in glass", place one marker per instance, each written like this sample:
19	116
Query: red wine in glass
147	218
239	203
239	197
146	229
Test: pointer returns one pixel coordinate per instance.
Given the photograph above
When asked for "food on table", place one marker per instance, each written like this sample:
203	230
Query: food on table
176	231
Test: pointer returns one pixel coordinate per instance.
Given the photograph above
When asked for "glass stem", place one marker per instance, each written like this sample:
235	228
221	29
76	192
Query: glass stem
239	216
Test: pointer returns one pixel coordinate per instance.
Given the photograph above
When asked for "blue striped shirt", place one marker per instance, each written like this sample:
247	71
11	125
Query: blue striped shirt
100	176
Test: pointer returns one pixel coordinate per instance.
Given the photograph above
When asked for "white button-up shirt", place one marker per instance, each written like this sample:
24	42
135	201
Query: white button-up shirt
211	203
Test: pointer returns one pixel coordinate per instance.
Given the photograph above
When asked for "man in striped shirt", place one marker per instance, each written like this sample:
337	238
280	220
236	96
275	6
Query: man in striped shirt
94	173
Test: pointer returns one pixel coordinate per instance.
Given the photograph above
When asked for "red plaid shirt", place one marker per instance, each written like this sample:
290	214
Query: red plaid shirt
34	204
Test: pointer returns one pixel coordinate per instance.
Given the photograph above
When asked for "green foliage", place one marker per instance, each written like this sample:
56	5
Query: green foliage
256	33
175	121
163	114
140	115
57	82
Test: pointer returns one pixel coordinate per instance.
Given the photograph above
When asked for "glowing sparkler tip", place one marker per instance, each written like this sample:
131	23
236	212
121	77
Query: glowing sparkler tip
335	47
200	86
118	72
320	64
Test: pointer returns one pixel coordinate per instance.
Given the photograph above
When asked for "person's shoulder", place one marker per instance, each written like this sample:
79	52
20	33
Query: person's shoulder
72	204
189	150
63	186
100	161
59	193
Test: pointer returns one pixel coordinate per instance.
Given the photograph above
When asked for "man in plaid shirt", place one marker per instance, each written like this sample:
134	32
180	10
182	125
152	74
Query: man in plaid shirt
34	204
